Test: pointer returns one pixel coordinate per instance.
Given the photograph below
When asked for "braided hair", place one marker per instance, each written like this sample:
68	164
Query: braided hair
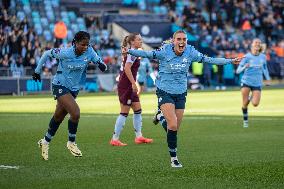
79	36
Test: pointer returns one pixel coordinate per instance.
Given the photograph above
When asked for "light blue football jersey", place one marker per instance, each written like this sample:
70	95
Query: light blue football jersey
253	75
173	69
145	66
71	70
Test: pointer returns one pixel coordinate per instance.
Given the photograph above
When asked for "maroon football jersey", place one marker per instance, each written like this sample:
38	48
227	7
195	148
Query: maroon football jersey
123	79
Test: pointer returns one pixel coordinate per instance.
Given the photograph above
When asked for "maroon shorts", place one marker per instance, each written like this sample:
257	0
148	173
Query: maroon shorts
127	96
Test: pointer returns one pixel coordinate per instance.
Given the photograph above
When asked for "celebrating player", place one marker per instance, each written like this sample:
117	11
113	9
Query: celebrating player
70	75
254	66
175	59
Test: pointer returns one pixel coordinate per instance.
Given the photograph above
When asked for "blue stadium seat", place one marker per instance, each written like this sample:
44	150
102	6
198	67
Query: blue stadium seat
48	8
74	28
69	35
66	21
72	16
36	21
80	20
154	1
55	3
50	15
82	27
35	14
21	15
38	28
127	2
64	14
27	9
25	2
51	27
163	10
47	2
157	10
47	35
175	28
44	22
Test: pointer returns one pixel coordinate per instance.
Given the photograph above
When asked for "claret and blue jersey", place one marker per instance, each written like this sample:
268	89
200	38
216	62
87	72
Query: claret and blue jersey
71	71
173	69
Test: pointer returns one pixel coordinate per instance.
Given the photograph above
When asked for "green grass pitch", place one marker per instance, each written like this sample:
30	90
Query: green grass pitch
214	148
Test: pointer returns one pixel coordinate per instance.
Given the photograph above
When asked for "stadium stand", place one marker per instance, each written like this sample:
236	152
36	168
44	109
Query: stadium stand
224	28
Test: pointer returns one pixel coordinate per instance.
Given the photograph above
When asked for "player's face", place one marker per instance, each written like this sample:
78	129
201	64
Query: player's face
180	42
82	46
256	45
137	43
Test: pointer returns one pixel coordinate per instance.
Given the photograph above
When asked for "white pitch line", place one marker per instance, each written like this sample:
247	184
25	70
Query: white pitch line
191	117
8	167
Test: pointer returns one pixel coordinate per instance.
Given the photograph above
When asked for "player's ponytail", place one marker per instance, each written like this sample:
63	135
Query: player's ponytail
127	40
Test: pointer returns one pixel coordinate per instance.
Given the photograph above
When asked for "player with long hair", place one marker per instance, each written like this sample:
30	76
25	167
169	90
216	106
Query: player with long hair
127	92
175	59
254	66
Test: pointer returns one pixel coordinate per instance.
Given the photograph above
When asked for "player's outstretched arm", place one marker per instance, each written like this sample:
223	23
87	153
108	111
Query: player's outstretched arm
141	53
43	59
102	66
265	71
242	66
96	59
199	57
221	61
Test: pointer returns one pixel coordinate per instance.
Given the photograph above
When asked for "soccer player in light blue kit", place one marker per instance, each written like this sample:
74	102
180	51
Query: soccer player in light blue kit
144	69
171	82
70	75
254	66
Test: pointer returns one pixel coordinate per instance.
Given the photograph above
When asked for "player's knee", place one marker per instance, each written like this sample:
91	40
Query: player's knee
75	116
124	114
172	127
138	111
255	104
58	118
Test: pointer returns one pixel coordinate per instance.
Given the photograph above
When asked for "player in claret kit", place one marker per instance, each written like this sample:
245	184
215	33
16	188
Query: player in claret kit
70	75
127	93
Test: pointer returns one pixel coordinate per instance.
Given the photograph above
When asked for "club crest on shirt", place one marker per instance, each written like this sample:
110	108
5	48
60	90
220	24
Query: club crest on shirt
132	58
184	60
56	50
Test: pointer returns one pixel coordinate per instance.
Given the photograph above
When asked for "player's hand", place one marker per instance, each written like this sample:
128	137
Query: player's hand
102	66
124	50
134	87
237	60
267	82
36	77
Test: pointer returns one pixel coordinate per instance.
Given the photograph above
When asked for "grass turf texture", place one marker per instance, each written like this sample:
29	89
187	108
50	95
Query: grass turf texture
215	150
